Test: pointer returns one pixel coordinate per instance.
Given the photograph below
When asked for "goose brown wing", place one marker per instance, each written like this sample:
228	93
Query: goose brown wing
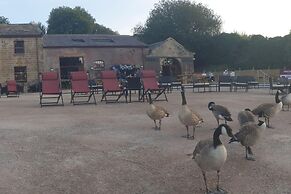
197	117
162	110
222	110
245	117
259	110
245	131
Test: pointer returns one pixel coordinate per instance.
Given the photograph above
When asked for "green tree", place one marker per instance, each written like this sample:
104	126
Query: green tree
179	19
100	29
40	26
4	20
66	20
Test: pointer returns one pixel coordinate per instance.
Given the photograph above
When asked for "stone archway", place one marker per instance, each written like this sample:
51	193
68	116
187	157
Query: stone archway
171	67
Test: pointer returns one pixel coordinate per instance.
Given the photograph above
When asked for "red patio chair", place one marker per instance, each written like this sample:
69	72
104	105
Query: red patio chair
12	88
50	89
111	87
150	83
80	88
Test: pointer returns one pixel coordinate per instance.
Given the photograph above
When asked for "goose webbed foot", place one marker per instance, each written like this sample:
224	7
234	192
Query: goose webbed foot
219	191
251	158
249	154
270	127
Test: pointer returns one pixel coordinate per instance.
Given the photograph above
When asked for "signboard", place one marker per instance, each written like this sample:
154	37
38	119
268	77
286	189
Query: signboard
286	73
98	65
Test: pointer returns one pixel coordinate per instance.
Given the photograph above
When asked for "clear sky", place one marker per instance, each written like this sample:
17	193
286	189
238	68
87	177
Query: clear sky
266	17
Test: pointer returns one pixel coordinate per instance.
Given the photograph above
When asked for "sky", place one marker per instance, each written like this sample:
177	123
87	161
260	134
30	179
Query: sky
269	18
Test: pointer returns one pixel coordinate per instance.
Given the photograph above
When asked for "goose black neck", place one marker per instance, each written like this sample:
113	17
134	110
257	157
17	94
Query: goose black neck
150	98
184	102
277	98
216	139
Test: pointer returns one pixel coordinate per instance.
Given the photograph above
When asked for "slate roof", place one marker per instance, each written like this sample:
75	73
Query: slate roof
19	30
90	40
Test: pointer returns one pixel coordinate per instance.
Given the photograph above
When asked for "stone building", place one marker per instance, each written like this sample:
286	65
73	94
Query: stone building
170	58
20	52
24	53
72	52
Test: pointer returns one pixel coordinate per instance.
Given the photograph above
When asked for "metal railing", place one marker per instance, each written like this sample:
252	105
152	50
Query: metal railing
263	78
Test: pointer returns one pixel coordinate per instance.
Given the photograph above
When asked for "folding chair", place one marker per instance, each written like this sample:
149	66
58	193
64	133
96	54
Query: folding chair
80	88
51	89
111	87
12	89
150	83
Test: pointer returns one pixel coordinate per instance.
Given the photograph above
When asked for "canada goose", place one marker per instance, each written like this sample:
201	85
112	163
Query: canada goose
219	112
210	154
187	116
248	136
156	112
286	100
246	116
268	110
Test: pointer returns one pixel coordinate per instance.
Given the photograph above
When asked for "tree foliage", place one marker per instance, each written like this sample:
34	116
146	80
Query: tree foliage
235	51
197	28
179	19
4	20
66	20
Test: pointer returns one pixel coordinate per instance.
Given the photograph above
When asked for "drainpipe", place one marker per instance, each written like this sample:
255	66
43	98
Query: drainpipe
37	60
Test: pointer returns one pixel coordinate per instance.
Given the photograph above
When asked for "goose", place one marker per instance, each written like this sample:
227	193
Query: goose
211	154
188	117
156	112
248	136
220	112
286	100
268	110
246	116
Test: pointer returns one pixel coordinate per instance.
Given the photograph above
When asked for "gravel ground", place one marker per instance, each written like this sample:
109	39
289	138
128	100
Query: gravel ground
113	148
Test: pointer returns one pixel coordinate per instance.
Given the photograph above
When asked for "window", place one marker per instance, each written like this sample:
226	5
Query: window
20	74
19	46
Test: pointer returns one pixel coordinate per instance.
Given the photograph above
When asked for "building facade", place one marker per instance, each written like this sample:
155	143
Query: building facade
170	58
66	53
20	53
25	53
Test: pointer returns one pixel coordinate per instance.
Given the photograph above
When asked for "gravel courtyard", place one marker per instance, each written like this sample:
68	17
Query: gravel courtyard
113	148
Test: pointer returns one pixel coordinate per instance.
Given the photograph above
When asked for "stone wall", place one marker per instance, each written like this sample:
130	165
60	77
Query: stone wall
31	58
110	56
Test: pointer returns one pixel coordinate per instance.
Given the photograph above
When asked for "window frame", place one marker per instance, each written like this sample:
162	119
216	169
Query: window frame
20	73
19	47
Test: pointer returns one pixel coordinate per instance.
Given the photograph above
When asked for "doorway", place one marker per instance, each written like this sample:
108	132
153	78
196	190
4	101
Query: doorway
171	67
69	64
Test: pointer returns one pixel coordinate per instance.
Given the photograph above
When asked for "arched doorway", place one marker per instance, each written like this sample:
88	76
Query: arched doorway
171	67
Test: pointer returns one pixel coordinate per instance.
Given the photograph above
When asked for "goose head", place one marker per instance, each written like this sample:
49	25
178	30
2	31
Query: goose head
247	109
210	105
222	129
262	124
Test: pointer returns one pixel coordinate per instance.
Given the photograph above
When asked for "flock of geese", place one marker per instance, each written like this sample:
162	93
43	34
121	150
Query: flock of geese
211	154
